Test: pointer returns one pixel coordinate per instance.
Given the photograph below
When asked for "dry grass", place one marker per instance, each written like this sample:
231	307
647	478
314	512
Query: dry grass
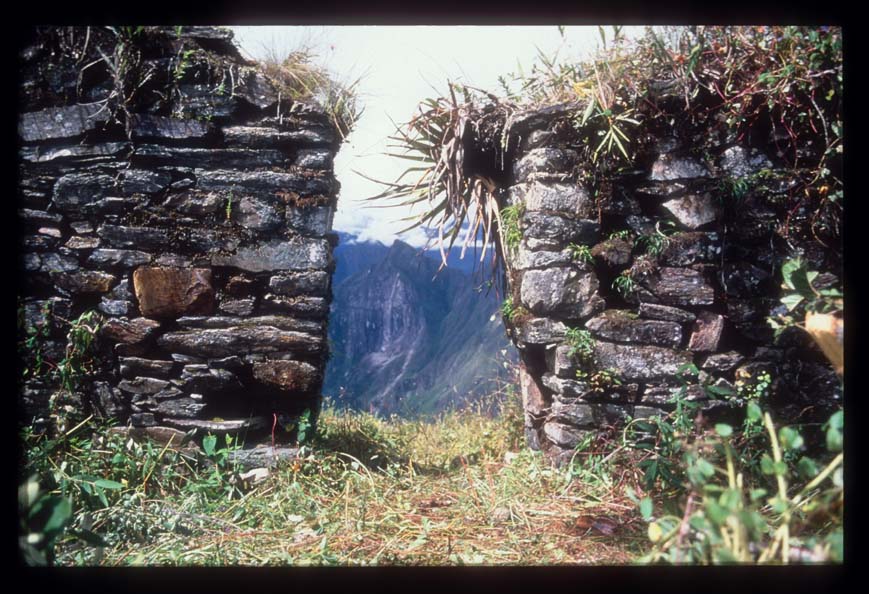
448	492
298	77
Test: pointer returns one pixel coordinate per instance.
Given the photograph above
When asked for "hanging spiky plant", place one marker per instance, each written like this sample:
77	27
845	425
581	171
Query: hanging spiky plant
438	140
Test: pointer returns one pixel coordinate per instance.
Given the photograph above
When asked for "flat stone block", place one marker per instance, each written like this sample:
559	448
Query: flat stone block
165	292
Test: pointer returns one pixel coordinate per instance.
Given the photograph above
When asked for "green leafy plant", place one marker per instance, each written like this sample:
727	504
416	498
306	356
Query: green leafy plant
303	426
624	234
735	187
222	481
508	310
43	518
512	233
78	359
612	132
580	345
603	379
182	63
664	436
229	207
580	253
624	284
737	522
801	295
655	243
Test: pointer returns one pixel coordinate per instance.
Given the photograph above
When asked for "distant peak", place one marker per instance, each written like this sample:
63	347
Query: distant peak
401	251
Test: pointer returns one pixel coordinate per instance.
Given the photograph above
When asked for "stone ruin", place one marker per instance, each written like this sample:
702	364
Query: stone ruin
165	182
702	300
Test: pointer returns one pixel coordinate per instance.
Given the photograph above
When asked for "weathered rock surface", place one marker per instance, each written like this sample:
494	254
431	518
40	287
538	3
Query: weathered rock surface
691	247
303	307
203	379
278	255
553	232
237	307
263	457
146	238
544	160
565	388
738	161
655	311
560	361
569	292
706	333
256	215
722	361
639	362
618	325
300	283
280	322
669	167
576	414
196	203
143	385
159	222
533	400
133	366
84	281
147	126
680	286
110	258
269	137
265	183
208	157
541	331
615	253
527	259
693	211
78	242
142	181
165	292
77	190
295	376
566	436
60	122
570	199
315	221
240	340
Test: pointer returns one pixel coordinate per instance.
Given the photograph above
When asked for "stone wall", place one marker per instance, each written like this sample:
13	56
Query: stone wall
165	184
703	262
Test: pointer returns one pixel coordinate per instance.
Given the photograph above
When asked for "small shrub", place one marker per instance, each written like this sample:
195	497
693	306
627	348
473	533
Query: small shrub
738	521
581	344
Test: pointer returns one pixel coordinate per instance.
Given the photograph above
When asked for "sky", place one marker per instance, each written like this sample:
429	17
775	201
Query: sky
399	66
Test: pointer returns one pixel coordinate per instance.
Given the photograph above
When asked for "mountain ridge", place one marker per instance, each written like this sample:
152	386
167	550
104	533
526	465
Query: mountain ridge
406	338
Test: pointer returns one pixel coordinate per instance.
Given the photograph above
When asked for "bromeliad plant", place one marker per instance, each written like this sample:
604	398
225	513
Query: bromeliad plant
437	140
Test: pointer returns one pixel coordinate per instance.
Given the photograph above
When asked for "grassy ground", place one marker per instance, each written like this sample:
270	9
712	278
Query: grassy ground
451	491
459	489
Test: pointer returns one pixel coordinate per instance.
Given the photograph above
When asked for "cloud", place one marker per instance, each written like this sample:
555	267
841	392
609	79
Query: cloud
401	65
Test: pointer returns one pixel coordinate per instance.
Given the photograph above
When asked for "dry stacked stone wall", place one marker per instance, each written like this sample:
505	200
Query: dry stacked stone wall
165	184
704	268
